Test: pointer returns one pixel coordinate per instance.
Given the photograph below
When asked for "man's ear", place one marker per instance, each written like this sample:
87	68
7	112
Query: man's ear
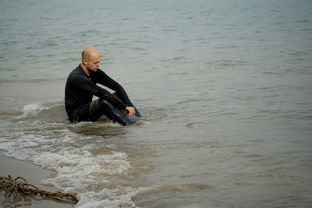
84	61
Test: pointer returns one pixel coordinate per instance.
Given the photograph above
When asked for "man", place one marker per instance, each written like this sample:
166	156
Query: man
81	85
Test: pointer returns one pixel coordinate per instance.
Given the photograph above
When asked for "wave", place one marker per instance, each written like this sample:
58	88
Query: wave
80	164
85	164
48	112
83	156
31	110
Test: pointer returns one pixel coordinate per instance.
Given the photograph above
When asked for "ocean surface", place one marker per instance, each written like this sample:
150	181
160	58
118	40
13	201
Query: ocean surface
225	88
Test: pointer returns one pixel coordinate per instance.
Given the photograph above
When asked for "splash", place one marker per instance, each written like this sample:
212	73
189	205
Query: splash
31	110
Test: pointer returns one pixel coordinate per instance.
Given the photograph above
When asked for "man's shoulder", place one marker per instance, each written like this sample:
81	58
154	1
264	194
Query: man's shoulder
77	69
76	72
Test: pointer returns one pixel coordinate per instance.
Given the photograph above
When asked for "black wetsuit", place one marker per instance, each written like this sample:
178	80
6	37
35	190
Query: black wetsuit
80	89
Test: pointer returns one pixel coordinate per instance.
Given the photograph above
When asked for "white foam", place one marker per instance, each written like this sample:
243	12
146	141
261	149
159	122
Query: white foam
82	172
77	169
108	198
31	110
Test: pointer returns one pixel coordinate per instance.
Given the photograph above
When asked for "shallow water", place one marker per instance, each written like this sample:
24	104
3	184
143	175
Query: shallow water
225	88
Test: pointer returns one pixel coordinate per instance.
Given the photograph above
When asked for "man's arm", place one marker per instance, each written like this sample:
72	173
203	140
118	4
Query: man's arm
102	78
85	84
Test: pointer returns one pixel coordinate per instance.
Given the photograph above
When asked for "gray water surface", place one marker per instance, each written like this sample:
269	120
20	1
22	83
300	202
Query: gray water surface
225	87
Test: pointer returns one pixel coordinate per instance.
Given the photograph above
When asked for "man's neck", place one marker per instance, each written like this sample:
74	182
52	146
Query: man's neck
85	70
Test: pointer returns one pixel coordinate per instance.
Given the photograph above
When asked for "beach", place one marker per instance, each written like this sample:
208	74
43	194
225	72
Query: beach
33	174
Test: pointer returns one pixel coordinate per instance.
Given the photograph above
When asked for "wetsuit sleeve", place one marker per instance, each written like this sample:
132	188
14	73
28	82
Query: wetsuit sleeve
103	79
87	85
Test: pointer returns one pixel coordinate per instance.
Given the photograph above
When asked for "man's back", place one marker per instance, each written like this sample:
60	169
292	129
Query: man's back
75	89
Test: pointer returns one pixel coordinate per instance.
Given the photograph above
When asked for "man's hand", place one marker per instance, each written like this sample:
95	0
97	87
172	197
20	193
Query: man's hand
129	111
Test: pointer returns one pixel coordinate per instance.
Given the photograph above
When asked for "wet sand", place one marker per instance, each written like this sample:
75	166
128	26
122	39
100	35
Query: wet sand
33	174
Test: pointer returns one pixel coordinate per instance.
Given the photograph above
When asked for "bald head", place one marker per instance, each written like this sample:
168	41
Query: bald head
91	58
90	52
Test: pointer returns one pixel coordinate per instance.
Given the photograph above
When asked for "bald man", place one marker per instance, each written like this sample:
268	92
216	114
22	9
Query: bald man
81	86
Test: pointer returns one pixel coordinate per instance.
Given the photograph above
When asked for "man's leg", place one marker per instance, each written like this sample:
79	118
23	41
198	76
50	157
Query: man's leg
81	113
101	107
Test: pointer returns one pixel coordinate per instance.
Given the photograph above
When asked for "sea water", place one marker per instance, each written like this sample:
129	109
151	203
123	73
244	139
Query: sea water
225	87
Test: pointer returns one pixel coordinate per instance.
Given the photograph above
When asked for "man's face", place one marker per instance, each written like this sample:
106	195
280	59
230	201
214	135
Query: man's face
93	64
